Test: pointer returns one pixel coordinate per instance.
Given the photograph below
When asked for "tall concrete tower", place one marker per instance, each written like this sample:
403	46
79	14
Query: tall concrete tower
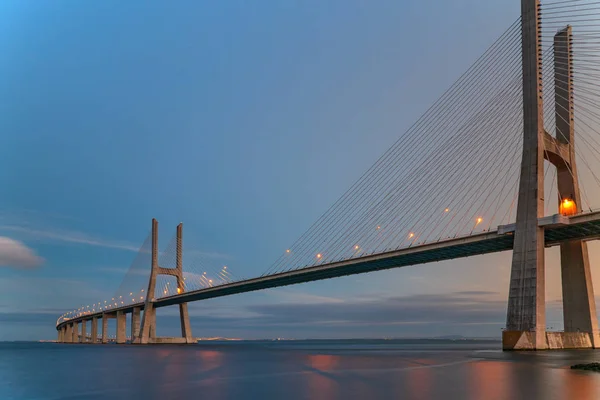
147	330
526	317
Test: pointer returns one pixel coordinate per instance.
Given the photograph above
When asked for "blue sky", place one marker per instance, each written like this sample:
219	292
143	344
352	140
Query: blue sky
244	120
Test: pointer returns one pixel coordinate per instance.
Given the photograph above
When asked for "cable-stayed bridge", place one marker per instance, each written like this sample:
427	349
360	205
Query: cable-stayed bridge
471	176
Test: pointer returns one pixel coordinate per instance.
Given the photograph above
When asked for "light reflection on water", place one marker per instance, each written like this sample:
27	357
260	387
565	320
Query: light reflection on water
292	370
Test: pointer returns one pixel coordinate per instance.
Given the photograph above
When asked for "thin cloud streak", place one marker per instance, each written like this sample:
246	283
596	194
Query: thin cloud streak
82	238
71	237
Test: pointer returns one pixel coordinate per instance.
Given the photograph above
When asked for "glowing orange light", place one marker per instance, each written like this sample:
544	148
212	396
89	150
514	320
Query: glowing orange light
411	235
178	290
446	210
378	227
568	207
479	220
225	267
287	251
319	255
356	247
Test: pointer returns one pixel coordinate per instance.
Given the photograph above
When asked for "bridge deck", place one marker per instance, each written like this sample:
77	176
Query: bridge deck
557	229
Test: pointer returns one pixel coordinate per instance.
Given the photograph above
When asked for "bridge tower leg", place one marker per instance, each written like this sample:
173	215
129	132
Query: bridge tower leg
147	332
184	318
148	325
579	306
526	317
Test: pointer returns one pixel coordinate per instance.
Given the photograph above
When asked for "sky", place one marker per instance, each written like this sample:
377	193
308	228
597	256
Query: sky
243	120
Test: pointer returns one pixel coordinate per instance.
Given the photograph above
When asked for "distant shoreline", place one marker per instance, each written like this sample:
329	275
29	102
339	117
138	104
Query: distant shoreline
413	339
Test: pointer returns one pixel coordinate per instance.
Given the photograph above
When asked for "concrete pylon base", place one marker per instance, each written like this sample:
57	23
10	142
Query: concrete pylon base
525	340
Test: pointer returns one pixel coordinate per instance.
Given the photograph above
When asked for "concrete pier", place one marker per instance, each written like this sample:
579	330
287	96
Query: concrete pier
83	337
104	328
94	338
135	322
75	333
68	333
121	327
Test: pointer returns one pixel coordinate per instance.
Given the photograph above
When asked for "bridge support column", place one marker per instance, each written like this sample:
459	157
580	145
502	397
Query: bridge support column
121	327
135	323
60	335
104	328
68	338
94	338
83	337
75	336
526	317
579	306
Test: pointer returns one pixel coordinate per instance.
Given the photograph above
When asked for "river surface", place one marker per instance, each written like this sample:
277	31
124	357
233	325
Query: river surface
363	369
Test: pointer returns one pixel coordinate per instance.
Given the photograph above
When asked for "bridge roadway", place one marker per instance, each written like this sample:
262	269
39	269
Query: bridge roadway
557	229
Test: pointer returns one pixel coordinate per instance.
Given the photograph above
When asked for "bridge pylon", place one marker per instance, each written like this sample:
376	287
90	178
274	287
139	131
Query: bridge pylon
147	329
526	316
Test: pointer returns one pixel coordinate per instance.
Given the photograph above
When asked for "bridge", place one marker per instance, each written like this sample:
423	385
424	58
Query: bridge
470	177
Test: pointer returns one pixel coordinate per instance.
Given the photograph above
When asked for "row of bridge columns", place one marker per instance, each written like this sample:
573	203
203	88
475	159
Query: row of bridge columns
73	333
143	326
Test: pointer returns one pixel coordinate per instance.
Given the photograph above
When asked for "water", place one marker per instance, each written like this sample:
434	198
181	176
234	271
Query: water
387	369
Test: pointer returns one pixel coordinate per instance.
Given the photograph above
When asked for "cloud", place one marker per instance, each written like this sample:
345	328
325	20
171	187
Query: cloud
455	308
294	296
16	255
476	314
71	237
